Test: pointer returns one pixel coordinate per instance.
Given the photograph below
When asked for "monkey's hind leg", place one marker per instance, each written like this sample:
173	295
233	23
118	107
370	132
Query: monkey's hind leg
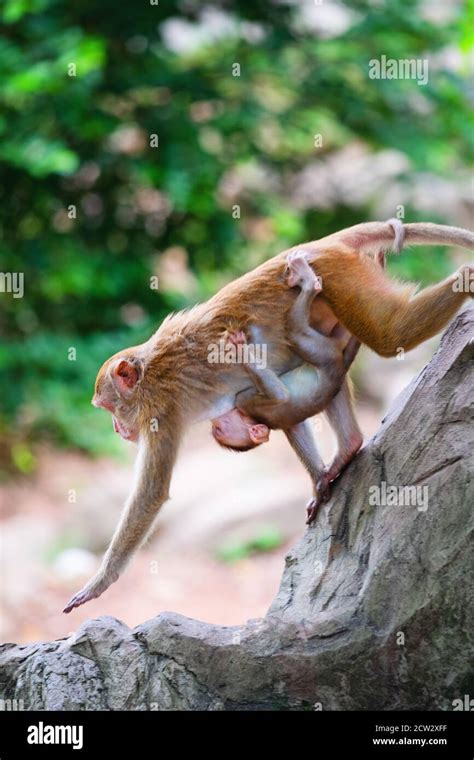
385	315
427	312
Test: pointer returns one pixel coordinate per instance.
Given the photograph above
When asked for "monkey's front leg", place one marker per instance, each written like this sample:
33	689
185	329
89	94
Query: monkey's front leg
349	437
302	441
154	466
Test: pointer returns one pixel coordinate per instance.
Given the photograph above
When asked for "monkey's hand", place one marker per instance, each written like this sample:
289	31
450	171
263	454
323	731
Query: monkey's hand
312	509
300	273
92	590
313	506
322	495
324	484
237	338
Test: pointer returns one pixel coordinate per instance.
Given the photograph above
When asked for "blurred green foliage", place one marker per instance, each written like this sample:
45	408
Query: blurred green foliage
86	86
266	539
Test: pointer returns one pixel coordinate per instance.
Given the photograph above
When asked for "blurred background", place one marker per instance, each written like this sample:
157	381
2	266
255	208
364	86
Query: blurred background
191	141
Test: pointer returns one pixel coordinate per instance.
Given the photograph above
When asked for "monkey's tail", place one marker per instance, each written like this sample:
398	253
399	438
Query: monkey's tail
425	233
374	237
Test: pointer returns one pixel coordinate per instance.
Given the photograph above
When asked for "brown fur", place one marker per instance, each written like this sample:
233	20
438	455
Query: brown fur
177	377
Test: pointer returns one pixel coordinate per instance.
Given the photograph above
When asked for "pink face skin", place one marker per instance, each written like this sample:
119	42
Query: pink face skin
119	427
238	431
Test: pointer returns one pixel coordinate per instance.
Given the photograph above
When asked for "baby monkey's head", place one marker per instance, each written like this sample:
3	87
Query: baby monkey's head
239	432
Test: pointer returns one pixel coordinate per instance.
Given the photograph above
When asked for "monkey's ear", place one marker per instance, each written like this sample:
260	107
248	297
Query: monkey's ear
259	434
126	375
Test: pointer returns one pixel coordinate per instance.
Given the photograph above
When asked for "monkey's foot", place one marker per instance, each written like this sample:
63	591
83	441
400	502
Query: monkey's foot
93	590
237	338
300	272
339	465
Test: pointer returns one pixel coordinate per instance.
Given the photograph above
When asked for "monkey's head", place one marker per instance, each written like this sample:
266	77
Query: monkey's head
239	432
117	389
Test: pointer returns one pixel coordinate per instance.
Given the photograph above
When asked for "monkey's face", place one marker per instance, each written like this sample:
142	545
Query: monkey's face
116	391
236	430
126	433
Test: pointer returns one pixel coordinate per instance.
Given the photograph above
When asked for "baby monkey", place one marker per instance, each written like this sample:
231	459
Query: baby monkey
285	402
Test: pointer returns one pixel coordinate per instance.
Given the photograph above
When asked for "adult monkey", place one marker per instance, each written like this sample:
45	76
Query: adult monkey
154	390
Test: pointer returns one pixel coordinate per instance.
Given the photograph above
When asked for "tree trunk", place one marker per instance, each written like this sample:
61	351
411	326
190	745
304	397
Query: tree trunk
375	608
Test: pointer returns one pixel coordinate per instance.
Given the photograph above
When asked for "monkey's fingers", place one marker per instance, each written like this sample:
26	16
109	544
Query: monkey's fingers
237	338
77	600
312	509
83	596
311	515
295	256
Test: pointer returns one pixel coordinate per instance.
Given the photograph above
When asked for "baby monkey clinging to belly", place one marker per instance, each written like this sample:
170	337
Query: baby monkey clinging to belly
284	402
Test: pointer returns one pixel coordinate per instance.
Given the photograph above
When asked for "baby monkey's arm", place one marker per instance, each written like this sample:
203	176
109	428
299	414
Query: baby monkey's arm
267	383
273	402
313	347
273	393
327	355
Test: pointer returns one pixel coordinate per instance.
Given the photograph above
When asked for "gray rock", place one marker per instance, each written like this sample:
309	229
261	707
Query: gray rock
375	608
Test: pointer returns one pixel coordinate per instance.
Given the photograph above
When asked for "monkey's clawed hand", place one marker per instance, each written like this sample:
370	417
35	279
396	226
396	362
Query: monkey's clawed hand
322	496
325	482
92	590
237	338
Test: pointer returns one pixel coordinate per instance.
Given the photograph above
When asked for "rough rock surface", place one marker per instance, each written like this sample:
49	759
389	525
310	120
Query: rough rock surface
375	609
